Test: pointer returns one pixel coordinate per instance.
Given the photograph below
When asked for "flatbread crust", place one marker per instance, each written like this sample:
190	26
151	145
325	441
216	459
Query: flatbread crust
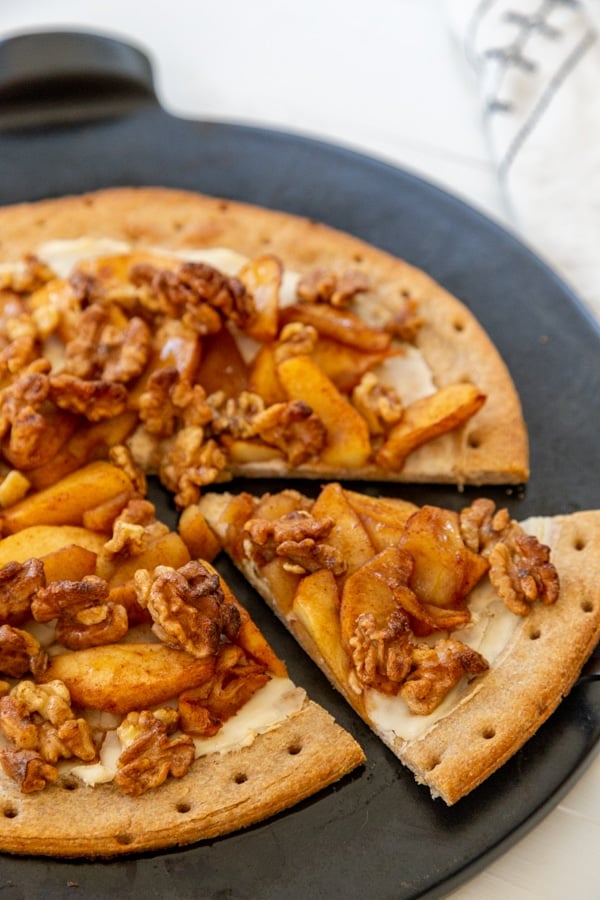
506	705
491	448
220	794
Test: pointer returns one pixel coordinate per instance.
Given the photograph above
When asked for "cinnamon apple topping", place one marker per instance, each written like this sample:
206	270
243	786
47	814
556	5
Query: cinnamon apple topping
114	616
383	618
205	372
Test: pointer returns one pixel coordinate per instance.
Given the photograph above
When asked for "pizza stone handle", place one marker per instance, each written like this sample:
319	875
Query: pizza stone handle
68	76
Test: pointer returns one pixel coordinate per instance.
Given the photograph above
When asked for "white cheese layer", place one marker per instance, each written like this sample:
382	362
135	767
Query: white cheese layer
270	706
490	633
62	256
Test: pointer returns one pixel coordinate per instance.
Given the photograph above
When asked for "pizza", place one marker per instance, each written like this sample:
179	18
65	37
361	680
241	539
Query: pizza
140	705
243	341
453	634
148	333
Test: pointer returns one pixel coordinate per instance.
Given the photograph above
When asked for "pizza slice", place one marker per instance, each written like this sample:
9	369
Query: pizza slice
454	635
220	339
140	706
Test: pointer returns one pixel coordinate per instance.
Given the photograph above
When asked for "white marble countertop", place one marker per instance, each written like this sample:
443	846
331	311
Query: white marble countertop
384	77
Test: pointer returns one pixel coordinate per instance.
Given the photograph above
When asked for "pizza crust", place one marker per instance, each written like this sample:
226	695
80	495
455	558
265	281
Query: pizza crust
525	684
492	448
220	794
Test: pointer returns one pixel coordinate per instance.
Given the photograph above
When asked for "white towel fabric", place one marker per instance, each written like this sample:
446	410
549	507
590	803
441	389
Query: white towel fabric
537	64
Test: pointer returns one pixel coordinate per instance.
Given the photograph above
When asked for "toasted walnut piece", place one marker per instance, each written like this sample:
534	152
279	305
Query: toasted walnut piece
133	347
152	756
189	463
30	275
18	354
134	529
228	295
197	293
293	526
85	616
38	717
295	339
381	654
322	285
20	652
521	571
60	597
51	700
188	607
76	739
102	350
83	356
377	403
435	671
93	626
235	415
19	584
203	710
24	397
95	400
293	428
120	456
520	567
168	400
305	556
29	431
16	722
298	538
136	723
481	525
28	769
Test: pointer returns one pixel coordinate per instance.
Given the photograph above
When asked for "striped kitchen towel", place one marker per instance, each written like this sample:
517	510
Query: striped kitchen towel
537	67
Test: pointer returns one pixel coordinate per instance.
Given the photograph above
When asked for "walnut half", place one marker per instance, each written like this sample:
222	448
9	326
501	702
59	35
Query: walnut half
150	755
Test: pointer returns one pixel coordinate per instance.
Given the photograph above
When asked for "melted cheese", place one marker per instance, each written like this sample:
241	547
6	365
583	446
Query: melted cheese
490	633
63	255
409	371
277	701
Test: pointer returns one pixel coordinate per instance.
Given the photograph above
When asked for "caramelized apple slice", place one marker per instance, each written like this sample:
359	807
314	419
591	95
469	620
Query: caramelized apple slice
222	367
66	502
445	570
249	637
348	443
71	563
343	364
383	520
263	379
89	442
42	540
166	550
122	677
340	325
262	279
377	588
194	530
347	534
426	419
317	608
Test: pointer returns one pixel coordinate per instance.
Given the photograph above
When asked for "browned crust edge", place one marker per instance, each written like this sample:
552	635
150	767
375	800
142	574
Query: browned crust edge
221	793
490	449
